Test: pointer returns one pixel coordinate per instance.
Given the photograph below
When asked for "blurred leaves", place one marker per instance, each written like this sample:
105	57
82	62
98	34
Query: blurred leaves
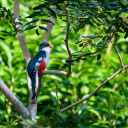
92	26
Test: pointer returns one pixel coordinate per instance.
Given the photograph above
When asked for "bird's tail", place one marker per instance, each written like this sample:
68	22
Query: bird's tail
34	86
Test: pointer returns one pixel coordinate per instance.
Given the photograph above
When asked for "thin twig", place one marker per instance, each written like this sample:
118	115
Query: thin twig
77	52
67	37
76	18
118	54
67	31
88	97
57	98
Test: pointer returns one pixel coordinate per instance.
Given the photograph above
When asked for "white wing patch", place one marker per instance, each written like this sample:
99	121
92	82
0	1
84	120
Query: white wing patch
40	59
37	64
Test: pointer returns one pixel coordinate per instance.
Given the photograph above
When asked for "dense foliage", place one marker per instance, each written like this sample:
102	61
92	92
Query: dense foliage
92	25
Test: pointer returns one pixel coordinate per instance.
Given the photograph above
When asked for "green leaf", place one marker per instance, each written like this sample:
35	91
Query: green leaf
65	65
87	54
4	31
100	44
92	37
44	20
37	32
98	57
4	34
34	14
2	38
109	29
41	27
78	42
29	28
126	35
69	61
71	8
31	22
52	12
78	59
40	6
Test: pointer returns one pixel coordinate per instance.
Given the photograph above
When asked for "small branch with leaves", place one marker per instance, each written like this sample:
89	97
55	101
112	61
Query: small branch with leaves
106	81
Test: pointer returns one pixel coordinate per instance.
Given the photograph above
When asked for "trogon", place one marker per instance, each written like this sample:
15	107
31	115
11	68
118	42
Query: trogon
38	63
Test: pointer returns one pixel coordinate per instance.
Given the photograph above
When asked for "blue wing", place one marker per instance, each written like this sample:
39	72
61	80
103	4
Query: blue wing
32	67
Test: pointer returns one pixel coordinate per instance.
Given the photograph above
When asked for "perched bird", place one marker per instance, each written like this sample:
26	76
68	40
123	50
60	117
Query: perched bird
38	63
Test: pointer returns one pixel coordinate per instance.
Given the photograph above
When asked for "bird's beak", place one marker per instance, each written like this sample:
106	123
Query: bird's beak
50	46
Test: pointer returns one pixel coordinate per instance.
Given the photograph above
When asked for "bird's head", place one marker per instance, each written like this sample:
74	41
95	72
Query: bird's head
44	45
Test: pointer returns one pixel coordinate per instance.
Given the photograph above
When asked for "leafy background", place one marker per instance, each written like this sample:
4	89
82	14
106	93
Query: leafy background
107	108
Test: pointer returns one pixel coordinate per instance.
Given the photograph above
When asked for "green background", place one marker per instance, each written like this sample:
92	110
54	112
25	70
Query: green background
102	110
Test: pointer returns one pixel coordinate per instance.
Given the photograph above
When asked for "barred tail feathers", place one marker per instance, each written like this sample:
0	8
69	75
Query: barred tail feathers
34	85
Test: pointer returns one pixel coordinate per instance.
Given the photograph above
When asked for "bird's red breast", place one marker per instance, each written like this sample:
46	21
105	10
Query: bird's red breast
41	67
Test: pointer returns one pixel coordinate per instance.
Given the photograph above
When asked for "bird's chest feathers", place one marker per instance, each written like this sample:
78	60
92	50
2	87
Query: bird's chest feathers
41	67
43	62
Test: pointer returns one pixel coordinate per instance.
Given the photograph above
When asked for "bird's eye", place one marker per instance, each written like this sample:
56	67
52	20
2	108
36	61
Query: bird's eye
44	45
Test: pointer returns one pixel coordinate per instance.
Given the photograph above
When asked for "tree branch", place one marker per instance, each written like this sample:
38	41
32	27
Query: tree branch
31	106
88	97
54	72
49	28
67	33
21	38
13	99
39	86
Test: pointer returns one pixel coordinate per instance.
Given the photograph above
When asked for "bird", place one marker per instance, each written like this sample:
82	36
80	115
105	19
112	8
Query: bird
38	64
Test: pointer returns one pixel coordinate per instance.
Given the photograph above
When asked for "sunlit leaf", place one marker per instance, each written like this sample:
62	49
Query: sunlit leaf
29	28
33	21
37	32
40	6
44	20
41	27
98	57
34	14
